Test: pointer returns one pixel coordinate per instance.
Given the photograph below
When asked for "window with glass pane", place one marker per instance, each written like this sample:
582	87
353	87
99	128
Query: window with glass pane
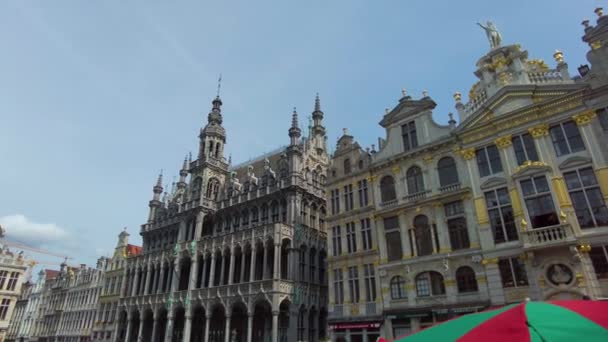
500	214
335	201
3	277
587	199
566	138
429	284
599	258
488	161
539	202
457	225
448	174
415	183
366	234
602	114
524	148
370	282
512	272
424	238
363	196
410	138
336	241
338	286
398	288
353	284
351	237
393	238
465	279
347	166
348	197
4	308
387	189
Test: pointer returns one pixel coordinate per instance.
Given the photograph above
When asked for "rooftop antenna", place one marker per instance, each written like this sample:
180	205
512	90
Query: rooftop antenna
219	85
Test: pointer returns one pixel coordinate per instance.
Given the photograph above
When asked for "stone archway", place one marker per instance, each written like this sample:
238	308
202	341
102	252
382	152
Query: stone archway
179	318
262	321
217	325
198	324
238	323
162	325
284	321
135	322
322	324
122	326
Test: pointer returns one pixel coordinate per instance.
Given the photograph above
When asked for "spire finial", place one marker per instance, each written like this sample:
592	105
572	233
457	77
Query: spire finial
159	181
403	92
317	103
344	131
219	85
425	93
294	118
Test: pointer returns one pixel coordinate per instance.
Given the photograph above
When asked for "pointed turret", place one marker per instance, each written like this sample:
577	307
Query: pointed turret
317	117
183	173
294	130
213	135
154	204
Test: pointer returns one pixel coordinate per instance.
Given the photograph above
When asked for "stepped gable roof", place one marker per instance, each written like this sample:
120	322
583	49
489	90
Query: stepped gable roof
133	250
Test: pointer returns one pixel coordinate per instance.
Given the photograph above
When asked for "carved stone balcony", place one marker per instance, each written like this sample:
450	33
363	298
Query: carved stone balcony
545	236
388	204
417	196
449	188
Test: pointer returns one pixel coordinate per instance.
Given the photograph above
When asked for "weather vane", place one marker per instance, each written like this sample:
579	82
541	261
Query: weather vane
219	85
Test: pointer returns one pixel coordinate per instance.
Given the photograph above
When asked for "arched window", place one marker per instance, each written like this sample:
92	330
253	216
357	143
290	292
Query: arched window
236	220
254	215
246	186
361	164
347	167
245	217
264	181
274	209
283	173
212	188
210	148
429	284
217	150
415	183
387	189
424	238
315	178
398	288
448	174
283	210
465	279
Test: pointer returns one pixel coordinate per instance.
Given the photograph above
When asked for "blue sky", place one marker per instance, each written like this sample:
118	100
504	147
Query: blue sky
97	96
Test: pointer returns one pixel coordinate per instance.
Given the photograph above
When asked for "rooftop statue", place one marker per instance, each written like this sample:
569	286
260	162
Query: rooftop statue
492	33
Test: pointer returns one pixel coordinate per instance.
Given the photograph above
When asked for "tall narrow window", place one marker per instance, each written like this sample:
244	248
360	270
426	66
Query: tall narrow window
348	197
363	196
351	237
393	238
338	286
524	148
347	166
512	272
370	282
602	114
366	234
4	305
409	136
3	277
387	189
566	138
424	237
415	182
398	288
353	284
488	161
448	174
457	225
539	202
587	199
336	240
335	201
500	213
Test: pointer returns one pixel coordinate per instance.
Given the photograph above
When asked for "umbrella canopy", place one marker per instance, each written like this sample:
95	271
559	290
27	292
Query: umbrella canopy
581	321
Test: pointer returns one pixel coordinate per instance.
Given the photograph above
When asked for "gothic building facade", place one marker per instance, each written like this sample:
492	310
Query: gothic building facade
234	253
508	204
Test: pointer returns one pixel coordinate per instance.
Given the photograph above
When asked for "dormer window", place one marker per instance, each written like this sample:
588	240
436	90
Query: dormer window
347	167
409	136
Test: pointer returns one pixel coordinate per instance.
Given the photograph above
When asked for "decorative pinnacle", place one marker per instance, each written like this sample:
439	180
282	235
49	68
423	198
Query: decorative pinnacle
185	166
425	93
219	85
585	23
345	131
451	116
403	92
317	103
294	118
457	96
386	110
159	182
599	11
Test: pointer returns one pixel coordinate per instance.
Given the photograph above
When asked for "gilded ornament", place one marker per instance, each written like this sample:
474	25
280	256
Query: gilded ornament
524	225
529	163
489	261
584	248
596	45
562	216
396	169
538	64
473	91
504	141
427	159
558	56
539	131
457	96
584	118
468	153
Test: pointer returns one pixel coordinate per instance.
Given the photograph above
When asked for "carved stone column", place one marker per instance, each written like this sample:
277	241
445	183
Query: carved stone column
227	331
148	275
193	272
249	326
231	268
207	326
277	260
187	325
212	270
275	326
253	257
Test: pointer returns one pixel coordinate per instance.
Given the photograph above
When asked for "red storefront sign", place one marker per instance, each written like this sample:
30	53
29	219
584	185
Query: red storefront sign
363	325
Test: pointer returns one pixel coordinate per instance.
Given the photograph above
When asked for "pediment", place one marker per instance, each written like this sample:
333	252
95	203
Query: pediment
530	168
574	161
493	182
407	107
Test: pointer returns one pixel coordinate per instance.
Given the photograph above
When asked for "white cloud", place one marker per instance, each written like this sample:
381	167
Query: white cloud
39	235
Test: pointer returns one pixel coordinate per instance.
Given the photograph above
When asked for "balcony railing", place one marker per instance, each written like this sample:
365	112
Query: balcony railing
547	235
390	203
449	188
417	196
550	76
338	311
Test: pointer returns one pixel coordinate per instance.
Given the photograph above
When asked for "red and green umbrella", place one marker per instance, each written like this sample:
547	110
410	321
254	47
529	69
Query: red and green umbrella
579	321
